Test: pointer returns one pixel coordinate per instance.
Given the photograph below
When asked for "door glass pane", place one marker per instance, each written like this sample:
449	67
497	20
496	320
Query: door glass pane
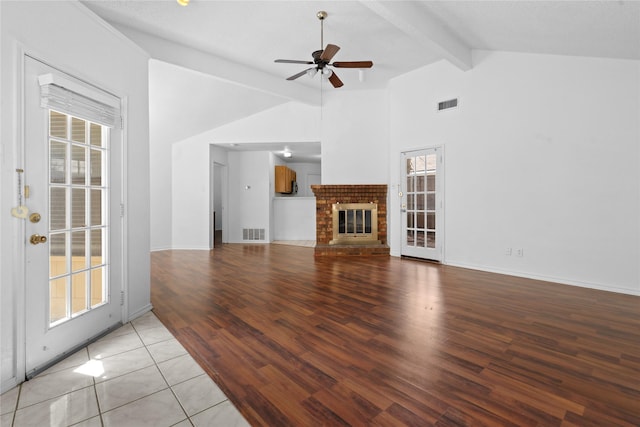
420	238
78	293
58	124
410	183
431	220
57	208
431	239
96	167
431	201
96	247
79	258
78	164
57	162
410	238
96	207
57	254
95	133
420	201
97	294
420	182
431	162
410	168
431	182
410	202
78	132
57	299
78	208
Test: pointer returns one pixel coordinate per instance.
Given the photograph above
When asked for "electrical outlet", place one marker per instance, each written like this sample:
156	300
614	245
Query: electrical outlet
508	251
519	252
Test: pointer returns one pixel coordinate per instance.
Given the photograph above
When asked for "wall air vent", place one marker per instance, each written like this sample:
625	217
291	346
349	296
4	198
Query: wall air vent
253	234
445	105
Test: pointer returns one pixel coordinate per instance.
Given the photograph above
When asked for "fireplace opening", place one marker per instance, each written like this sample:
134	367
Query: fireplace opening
355	223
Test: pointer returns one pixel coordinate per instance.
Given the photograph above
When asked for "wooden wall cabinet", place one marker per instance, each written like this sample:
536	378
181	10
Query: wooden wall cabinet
285	178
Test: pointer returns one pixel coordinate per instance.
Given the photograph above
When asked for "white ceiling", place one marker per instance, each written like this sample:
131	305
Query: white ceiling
233	44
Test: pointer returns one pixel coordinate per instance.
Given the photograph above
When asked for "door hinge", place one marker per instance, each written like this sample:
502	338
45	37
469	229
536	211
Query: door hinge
121	297
121	210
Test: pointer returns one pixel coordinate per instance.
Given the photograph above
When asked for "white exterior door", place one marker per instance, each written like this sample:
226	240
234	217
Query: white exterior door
422	204
73	228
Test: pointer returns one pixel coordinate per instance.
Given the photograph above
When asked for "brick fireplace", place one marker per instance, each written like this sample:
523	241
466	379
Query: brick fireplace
330	198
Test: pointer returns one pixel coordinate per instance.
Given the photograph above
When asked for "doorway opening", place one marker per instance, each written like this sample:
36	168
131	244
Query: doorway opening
218	174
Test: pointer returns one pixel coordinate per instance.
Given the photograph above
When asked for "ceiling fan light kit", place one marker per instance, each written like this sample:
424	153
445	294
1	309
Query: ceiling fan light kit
322	60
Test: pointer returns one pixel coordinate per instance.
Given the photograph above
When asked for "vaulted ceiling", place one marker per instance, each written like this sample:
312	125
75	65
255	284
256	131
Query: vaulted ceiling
229	47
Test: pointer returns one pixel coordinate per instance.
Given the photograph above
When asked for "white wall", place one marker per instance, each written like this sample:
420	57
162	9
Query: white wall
542	154
160	157
355	137
190	194
87	48
294	218
250	189
291	122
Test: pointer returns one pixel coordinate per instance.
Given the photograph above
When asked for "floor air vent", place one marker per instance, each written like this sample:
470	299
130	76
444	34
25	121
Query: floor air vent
253	234
445	105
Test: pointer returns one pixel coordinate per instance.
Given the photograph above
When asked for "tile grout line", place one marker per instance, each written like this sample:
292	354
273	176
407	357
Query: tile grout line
160	370
95	391
15	407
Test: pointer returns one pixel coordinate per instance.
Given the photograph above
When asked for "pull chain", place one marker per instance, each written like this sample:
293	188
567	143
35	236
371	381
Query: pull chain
20	211
19	186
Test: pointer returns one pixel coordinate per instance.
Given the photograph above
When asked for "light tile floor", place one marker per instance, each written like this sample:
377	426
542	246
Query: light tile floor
138	375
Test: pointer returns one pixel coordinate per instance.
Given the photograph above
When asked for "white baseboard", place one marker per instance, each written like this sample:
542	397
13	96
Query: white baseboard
147	308
552	279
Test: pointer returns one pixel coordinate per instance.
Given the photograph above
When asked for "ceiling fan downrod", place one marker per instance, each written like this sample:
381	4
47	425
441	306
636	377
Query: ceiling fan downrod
321	16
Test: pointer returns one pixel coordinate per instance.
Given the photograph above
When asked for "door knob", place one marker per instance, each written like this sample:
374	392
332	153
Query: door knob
36	238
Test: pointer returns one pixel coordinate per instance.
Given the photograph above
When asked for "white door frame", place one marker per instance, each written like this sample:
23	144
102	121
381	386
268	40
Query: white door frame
21	238
436	254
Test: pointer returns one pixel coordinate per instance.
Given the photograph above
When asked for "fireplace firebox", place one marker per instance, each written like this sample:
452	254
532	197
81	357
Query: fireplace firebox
355	223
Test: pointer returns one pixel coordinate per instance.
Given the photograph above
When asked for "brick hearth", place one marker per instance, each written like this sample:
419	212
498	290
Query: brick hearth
327	196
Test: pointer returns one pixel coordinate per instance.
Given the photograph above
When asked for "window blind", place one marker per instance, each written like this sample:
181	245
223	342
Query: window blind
76	100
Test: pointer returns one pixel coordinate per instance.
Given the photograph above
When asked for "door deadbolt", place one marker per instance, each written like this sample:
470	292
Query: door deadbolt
35	217
36	239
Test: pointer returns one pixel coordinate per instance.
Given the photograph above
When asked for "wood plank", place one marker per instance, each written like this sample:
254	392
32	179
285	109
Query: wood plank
294	339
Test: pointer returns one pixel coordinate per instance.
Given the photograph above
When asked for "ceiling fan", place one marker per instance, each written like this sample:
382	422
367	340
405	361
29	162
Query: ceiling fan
322	59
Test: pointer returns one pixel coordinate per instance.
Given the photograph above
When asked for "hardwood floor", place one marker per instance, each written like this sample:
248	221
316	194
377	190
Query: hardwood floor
294	340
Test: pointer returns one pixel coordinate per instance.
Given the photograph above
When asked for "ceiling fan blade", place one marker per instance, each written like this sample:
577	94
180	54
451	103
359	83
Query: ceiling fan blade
353	64
329	52
300	74
292	61
335	80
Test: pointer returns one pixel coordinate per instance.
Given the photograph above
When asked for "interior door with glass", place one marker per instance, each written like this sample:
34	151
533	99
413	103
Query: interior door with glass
422	231
73	227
